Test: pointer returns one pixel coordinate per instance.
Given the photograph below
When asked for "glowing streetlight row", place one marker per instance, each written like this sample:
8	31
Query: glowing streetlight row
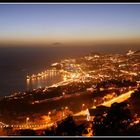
36	76
24	126
42	74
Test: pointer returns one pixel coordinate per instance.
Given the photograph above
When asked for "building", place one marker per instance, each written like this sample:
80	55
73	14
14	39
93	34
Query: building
91	113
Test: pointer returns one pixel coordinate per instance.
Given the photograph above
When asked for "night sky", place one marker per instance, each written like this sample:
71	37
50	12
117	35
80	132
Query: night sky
69	23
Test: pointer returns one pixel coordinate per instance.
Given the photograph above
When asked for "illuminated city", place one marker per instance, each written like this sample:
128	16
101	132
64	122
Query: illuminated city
70	70
88	82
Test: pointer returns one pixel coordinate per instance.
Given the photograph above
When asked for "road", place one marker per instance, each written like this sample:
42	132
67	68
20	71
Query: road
117	99
32	125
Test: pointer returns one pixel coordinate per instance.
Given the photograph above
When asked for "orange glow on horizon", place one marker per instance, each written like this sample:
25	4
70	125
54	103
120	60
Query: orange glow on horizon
77	41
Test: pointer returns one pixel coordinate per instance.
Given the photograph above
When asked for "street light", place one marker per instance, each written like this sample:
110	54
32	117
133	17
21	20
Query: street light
83	105
63	93
49	113
63	114
27	120
66	107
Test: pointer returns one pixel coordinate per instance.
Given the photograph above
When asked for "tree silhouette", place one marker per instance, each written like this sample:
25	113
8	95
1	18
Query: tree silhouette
66	127
116	121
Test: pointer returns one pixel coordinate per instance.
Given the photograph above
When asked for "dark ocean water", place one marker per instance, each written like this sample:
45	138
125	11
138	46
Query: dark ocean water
17	63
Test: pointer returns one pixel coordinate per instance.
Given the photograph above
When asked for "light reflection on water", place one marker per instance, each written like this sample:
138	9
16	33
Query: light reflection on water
52	77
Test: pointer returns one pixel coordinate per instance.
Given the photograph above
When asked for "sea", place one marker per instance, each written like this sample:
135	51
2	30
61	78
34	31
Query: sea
18	62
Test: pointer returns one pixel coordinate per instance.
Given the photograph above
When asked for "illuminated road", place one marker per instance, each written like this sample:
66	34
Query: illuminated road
118	99
29	126
32	125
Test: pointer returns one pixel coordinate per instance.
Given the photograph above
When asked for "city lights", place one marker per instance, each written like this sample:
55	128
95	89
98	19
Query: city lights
90	82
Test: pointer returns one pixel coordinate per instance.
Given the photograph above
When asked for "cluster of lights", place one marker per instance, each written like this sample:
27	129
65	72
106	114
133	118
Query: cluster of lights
42	74
34	125
137	121
39	75
71	76
27	125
